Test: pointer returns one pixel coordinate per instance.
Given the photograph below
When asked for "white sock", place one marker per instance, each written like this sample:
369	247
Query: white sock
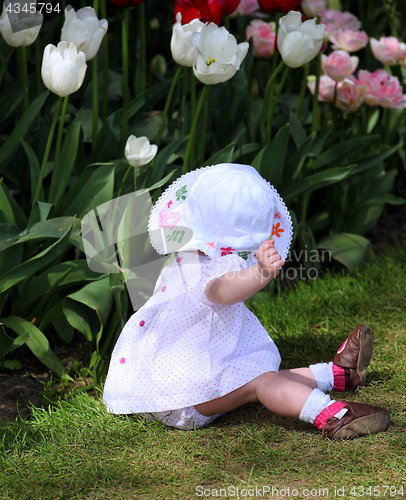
323	373
315	403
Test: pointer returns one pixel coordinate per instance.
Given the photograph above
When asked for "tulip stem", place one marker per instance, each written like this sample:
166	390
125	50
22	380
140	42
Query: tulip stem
202	142
105	49
22	62
124	44
167	104
267	99
302	90
143	47
47	151
190	142
123	181
95	105
6	60
192	91
55	171
315	110
274	103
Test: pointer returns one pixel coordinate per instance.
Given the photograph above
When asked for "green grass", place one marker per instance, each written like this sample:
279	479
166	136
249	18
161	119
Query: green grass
76	450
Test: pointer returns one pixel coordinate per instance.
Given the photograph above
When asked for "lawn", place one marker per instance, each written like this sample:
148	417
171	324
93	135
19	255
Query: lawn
76	450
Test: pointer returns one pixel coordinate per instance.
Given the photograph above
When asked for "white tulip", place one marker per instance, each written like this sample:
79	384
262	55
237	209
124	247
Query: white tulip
139	151
218	56
63	68
20	26
299	43
84	29
182	47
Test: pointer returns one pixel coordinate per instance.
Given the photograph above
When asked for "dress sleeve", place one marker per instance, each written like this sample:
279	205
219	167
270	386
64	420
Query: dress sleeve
214	269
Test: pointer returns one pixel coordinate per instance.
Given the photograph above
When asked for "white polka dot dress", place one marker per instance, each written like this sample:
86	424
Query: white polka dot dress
180	349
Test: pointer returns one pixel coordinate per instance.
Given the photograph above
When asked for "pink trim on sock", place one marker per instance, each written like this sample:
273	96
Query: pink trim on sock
327	413
339	378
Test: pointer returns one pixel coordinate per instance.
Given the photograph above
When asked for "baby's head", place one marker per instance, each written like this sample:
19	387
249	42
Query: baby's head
222	209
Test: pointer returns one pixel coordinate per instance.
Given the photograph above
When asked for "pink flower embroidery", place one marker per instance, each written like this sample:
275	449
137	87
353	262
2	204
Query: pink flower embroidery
169	204
122	360
226	250
168	219
211	244
277	215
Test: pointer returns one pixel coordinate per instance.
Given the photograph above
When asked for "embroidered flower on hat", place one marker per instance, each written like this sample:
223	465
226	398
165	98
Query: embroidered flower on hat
168	219
226	250
276	230
277	215
169	204
211	244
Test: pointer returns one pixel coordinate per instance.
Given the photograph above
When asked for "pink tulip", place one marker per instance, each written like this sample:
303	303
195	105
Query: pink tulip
312	8
326	87
348	40
263	35
248	8
350	95
335	19
339	64
388	50
382	89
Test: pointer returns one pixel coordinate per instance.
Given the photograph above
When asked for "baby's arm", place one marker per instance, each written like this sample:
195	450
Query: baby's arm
236	286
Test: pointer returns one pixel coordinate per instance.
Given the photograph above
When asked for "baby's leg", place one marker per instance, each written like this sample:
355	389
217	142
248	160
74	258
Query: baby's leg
279	394
302	375
290	398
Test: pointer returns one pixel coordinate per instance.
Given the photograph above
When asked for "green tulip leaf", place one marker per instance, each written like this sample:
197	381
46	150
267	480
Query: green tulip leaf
10	211
270	161
316	181
148	98
93	187
108	138
52	228
61	277
7	344
34	168
69	154
13	141
87	310
33	265
225	155
162	159
342	150
8	235
352	250
36	342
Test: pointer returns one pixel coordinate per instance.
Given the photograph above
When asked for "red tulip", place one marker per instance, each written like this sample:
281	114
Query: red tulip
279	5
206	10
125	3
187	9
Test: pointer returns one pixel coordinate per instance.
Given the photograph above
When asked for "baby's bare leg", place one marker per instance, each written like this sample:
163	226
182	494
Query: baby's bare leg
302	375
279	394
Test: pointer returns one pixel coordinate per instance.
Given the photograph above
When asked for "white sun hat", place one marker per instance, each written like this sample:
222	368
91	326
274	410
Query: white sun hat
221	209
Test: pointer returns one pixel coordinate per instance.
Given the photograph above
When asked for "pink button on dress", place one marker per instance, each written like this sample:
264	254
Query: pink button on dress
180	349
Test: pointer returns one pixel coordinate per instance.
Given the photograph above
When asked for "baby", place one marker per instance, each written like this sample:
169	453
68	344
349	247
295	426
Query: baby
194	351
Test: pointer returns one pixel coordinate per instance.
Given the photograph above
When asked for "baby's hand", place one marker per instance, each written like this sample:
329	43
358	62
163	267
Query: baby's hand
269	260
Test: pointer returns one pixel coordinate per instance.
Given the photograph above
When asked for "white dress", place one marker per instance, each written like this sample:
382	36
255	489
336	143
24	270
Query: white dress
180	349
